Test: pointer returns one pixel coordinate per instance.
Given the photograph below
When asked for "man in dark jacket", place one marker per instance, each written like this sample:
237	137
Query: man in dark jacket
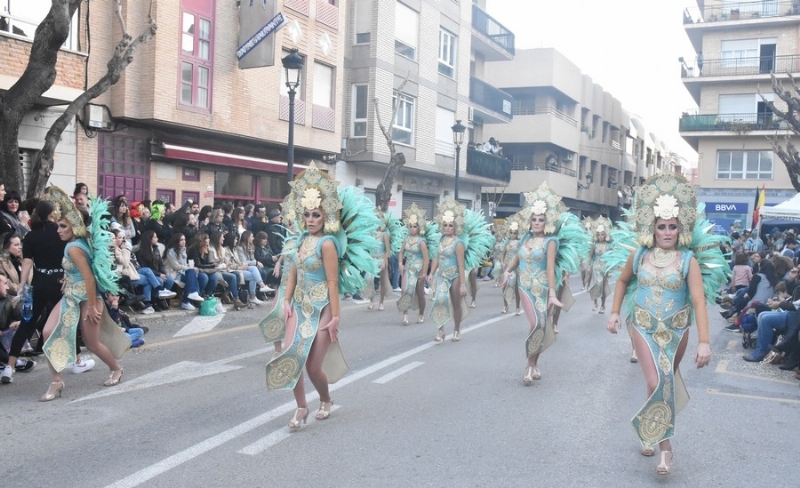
275	232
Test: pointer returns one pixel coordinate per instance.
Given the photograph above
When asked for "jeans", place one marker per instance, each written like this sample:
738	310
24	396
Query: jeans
252	276
394	270
770	323
134	333
207	283
192	280
233	282
148	281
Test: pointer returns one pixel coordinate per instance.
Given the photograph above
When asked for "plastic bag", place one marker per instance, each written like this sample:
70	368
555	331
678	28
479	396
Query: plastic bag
209	307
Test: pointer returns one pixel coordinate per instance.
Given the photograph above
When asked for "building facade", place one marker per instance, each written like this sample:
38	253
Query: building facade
430	56
738	47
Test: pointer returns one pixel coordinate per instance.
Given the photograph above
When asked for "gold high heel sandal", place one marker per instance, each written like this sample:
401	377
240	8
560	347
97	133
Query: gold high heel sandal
519	312
114	378
405	319
635	359
421	319
528	378
439	335
456	336
380	306
555	328
664	466
472	305
536	374
324	410
371	306
648	451
296	422
51	393
505	310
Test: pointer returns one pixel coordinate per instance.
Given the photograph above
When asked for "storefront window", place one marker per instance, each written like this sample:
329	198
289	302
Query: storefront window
272	187
233	183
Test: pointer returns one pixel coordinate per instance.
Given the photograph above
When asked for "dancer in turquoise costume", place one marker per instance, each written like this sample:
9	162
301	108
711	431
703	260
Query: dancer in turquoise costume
553	246
88	272
419	247
515	225
599	290
665	282
333	247
390	235
466	240
273	326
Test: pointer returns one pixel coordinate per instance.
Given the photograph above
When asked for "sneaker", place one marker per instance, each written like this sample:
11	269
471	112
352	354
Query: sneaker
148	310
25	365
7	375
83	366
266	288
255	300
137	343
188	306
166	294
732	328
195	296
398	289
753	357
145	329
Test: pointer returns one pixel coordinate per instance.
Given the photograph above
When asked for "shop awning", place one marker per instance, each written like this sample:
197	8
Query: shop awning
184	153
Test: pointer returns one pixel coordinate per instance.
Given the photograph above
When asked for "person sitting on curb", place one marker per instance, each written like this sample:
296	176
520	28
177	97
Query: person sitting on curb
9	321
133	331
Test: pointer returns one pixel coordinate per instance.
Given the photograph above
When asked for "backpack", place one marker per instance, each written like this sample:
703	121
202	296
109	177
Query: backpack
749	323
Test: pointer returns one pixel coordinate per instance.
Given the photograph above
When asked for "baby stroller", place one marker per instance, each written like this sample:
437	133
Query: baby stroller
749	325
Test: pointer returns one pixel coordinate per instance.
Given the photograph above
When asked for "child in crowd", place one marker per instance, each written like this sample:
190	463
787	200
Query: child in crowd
133	331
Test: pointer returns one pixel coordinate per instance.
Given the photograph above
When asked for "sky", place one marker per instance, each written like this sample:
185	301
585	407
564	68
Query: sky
629	47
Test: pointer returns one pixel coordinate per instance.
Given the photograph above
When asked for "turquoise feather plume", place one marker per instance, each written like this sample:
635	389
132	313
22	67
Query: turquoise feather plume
477	237
706	247
356	239
433	238
397	231
574	243
101	241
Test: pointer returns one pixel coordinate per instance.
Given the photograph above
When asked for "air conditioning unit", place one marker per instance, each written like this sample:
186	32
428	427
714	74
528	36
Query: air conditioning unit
470	114
97	117
568	156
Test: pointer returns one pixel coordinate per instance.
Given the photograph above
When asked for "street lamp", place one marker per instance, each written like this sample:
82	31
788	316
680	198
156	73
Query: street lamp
458	139
293	64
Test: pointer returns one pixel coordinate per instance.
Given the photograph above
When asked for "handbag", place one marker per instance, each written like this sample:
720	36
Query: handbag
334	365
209	307
112	336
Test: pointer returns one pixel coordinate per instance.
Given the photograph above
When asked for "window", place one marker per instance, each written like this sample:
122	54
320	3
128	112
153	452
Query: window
196	54
363	12
22	17
191	174
323	85
360	103
444	131
447	53
744	165
737	53
403	129
406	25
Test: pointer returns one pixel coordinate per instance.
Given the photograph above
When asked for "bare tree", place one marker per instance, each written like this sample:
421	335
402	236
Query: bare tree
39	76
787	152
383	192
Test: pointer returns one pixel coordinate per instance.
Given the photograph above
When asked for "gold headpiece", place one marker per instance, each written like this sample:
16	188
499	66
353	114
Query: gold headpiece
415	215
545	202
517	222
314	188
288	209
600	224
64	208
665	195
451	211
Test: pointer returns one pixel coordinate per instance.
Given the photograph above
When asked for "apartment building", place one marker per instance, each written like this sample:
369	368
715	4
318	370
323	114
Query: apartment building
738	46
185	121
431	56
568	131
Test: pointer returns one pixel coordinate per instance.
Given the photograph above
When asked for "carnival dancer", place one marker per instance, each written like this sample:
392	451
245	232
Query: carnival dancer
500	235
88	273
553	245
419	247
273	326
476	227
333	248
599	291
664	283
586	268
515	226
390	235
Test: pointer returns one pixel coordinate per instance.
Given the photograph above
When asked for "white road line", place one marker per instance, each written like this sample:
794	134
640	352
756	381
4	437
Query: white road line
277	436
722	367
196	450
732	345
400	371
713	391
199	325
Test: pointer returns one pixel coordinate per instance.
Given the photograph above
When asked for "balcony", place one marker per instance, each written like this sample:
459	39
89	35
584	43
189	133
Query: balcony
694	126
488	165
727	15
490	37
542	166
494	105
763	65
542	125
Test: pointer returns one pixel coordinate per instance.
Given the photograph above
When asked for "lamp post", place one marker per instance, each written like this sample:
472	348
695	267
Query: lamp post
458	139
293	64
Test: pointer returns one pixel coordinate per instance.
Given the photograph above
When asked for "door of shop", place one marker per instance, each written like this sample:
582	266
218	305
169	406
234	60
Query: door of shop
426	202
122	167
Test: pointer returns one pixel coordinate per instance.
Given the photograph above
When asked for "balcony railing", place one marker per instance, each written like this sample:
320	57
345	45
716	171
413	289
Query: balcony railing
534	166
546	110
492	29
490	97
741	11
488	165
729	122
757	65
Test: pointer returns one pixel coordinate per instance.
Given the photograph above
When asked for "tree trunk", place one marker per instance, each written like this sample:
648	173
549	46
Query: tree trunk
786	152
38	77
383	193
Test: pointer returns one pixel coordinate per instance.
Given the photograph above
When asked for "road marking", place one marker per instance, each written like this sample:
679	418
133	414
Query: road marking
752	397
722	367
175	373
400	371
732	345
277	436
200	324
200	448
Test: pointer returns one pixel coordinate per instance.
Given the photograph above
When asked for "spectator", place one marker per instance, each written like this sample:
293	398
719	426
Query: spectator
263	255
11	263
9	215
132	331
248	215
81	188
251	274
9	323
199	253
227	220
216	254
275	234
259	220
121	215
742	272
238	224
217	223
186	273
150	257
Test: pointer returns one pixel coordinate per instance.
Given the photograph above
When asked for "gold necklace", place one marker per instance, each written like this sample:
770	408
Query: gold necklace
309	244
447	240
661	258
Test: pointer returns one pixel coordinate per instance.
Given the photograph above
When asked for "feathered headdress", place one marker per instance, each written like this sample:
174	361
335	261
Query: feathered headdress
477	237
545	202
312	189
64	208
415	215
665	195
397	232
600	224
517	222
451	211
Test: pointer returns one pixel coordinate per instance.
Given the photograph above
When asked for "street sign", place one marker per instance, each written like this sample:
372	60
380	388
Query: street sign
256	39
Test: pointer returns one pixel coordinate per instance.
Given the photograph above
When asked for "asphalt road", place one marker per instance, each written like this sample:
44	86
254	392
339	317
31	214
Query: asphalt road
193	411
